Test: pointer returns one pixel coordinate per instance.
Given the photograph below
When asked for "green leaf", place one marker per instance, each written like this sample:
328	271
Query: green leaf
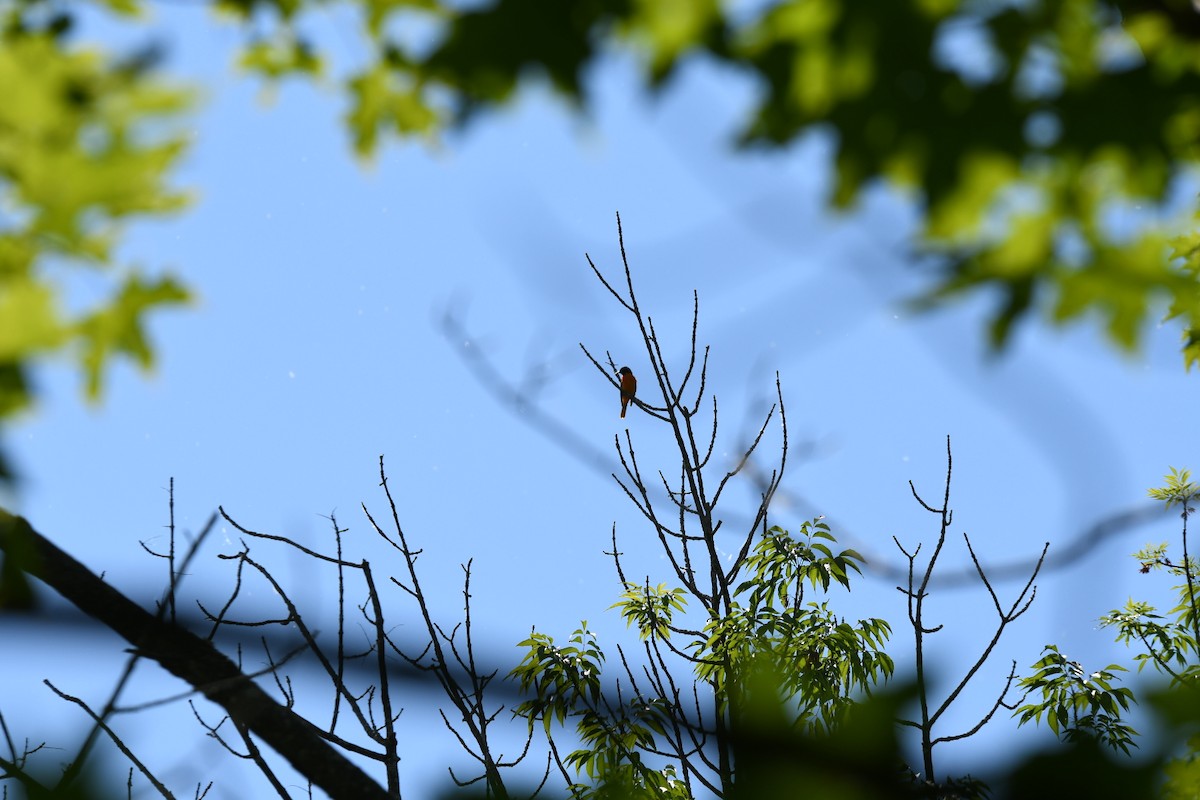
382	100
278	58
87	143
29	319
119	328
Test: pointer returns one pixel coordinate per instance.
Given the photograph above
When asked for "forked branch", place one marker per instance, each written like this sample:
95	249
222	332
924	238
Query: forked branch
917	592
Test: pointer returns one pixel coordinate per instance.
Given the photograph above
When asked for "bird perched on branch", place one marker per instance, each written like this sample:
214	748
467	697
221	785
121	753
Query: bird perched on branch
628	388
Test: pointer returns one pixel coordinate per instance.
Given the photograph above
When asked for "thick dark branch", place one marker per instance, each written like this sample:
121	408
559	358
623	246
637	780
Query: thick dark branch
166	608
270	669
311	639
192	659
14	769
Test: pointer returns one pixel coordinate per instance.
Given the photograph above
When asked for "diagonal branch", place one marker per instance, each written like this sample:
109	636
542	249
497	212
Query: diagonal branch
194	660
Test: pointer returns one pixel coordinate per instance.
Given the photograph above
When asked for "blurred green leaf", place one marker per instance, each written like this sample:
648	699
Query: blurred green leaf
382	102
119	327
274	58
88	141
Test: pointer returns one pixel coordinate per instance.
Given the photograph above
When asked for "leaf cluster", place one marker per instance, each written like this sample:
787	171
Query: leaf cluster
1042	168
560	677
87	144
1020	158
824	660
564	682
1077	704
1179	489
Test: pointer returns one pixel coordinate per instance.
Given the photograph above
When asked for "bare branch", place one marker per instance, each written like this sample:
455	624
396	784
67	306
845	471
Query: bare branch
987	716
99	722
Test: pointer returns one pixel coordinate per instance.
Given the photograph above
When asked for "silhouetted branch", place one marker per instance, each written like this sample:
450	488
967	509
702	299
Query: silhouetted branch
194	660
1073	549
99	721
916	593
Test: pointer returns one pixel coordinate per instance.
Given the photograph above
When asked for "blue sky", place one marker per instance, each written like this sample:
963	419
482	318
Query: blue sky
314	347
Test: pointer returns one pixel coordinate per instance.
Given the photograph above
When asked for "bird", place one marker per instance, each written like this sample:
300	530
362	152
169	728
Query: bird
628	388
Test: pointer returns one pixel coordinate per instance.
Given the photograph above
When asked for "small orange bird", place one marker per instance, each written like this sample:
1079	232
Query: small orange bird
628	388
